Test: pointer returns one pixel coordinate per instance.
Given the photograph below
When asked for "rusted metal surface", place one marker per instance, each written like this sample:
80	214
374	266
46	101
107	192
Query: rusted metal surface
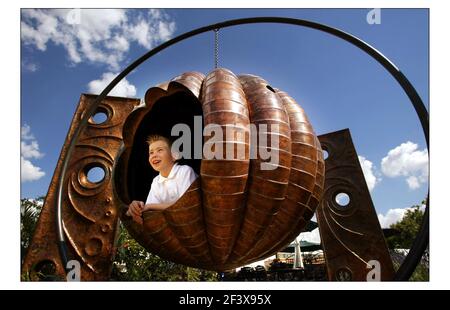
89	209
351	234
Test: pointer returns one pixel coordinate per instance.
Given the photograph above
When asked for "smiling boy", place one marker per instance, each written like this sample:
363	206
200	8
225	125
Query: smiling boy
171	183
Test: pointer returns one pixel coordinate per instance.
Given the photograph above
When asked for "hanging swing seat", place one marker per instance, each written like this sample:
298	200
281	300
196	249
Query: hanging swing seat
238	210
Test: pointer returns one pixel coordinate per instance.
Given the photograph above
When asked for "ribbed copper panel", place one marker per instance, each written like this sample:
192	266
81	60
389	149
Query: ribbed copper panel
267	185
304	162
191	81
299	202
180	230
224	181
310	208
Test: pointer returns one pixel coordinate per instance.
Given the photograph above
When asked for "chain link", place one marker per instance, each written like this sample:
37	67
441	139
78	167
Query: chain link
216	48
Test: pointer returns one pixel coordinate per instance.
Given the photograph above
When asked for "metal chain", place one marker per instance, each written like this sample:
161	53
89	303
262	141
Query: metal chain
216	48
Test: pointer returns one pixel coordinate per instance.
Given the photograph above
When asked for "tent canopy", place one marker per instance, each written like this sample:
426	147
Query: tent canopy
305	246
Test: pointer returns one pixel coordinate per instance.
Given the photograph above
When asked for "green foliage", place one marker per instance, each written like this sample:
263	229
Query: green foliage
408	229
29	214
422	272
134	263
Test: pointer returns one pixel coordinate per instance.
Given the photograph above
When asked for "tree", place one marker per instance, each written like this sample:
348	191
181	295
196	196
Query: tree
408	228
134	263
29	214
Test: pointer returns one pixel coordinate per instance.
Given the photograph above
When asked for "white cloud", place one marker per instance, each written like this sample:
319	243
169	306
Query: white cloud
413	182
29	172
123	89
119	43
148	34
29	66
392	216
95	35
25	133
29	148
407	161
368	170
141	33
165	30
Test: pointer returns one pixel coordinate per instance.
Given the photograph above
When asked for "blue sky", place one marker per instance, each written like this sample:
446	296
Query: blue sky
338	85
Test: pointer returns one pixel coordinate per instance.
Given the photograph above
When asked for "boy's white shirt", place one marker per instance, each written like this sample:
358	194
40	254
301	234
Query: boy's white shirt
170	189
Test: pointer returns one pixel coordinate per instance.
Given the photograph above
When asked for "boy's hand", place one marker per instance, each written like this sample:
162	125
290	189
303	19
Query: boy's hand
135	210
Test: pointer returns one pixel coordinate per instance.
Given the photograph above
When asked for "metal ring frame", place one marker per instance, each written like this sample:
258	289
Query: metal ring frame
421	241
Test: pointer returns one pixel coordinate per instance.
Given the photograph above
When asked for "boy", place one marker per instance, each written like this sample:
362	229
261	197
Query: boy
171	183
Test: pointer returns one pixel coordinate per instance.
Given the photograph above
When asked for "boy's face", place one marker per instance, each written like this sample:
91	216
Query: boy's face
160	156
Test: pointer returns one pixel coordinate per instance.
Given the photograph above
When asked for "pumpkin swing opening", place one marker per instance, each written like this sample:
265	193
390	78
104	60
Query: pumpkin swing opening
178	108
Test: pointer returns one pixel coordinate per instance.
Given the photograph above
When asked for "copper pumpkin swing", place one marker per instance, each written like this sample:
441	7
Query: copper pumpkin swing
235	212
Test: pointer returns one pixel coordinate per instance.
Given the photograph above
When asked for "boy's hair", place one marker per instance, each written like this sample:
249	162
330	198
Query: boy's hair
154	138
